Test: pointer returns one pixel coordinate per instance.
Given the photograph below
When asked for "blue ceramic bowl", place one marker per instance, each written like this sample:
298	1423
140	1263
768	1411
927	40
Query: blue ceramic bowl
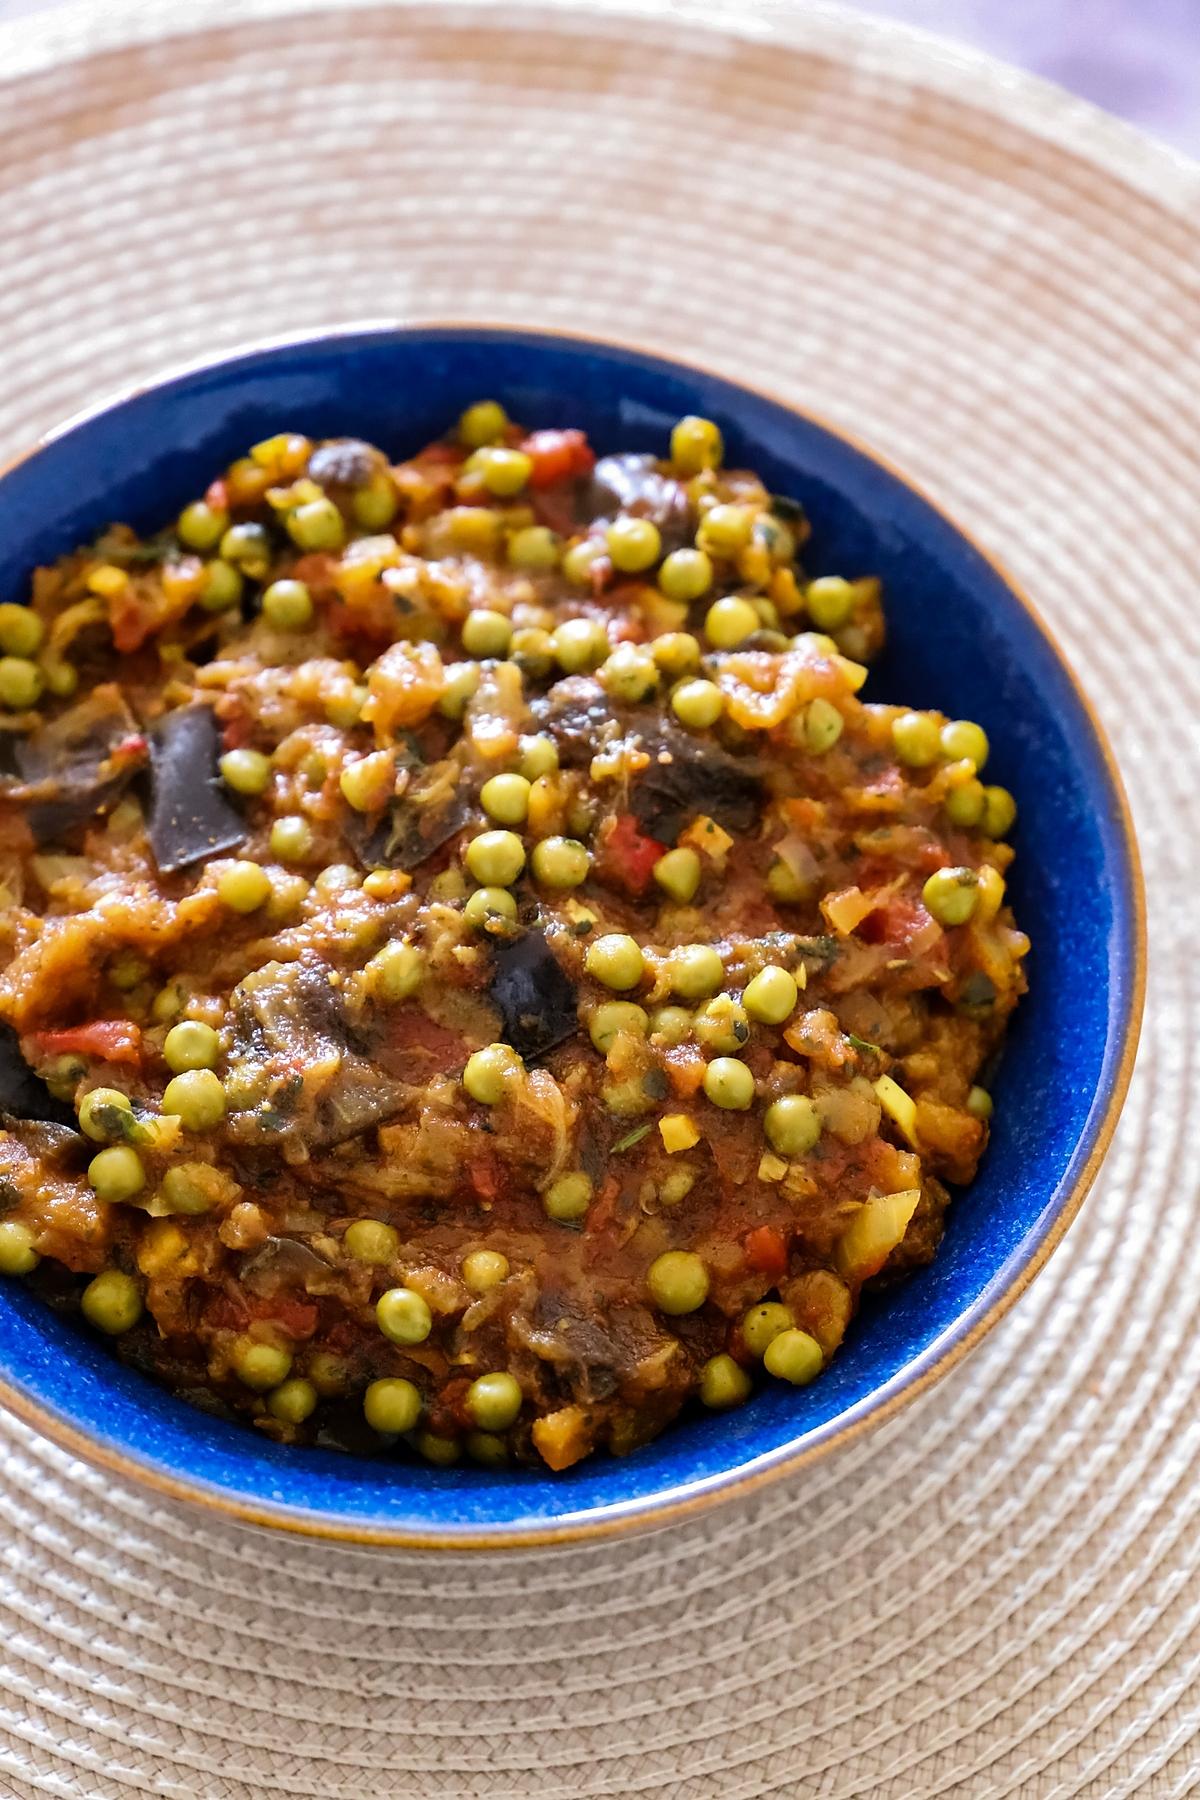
960	638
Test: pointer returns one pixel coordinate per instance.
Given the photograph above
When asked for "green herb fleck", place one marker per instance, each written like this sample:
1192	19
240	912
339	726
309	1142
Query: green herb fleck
630	1139
862	1044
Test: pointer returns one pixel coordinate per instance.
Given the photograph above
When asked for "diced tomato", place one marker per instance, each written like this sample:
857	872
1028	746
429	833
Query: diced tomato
438	454
899	918
766	1251
110	1040
484	1176
557	456
448	1411
600	572
298	1317
216	495
627	856
600	1212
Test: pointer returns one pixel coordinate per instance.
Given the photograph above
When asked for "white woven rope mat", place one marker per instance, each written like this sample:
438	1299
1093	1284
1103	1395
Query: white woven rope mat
998	1594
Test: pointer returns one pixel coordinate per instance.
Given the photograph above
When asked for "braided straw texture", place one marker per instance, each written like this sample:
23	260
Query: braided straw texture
997	287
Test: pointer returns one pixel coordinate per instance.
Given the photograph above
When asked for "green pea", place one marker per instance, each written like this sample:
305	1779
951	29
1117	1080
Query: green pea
792	1125
292	1401
20	683
102	1114
830	602
725	530
248	548
722	1025
678	1282
496	858
616	960
560	862
482	424
677	654
190	1187
403	1316
343	707
630	675
396	971
771	996
535	549
482	1270
493	1401
723	1383
245	771
685	575
489	1071
961	740
678	874
221	587
489	906
441	1451
196	1097
951	895
392	1405
60	677
291	839
532	649
580	644
17	1253
821	726
376	505
794	1356
287	605
763	1323
696	445
568	1198
539	757
462	681
729	622
502	472
697	704
316	525
965	804
729	1084
243	887
112	1302
915	739
613	1017
673	1024
201	526
21	631
116	1174
784	884
999	812
579	559
486	633
486	1448
367	783
191	1045
260	1365
371	1241
337	878
979	1103
506	799
633	544
696	971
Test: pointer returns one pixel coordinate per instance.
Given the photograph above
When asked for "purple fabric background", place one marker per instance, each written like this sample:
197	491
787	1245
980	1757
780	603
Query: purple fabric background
1138	58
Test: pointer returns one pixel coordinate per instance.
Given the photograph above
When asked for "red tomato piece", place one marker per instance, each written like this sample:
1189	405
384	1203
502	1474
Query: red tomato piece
557	456
110	1040
765	1251
627	856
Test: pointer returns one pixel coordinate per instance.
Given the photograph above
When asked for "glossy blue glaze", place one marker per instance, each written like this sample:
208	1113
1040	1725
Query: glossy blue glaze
959	640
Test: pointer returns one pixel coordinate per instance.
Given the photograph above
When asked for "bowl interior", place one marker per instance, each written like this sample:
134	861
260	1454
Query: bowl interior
959	639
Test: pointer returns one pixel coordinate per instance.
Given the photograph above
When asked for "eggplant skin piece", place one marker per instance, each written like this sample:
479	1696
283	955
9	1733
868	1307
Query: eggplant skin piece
23	1095
65	765
190	816
630	483
406	834
537	1000
687	776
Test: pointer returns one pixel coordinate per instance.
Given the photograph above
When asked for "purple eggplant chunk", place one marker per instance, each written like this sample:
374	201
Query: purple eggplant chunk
66	769
631	484
536	998
190	817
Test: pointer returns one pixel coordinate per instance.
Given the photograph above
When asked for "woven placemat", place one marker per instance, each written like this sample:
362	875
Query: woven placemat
996	1594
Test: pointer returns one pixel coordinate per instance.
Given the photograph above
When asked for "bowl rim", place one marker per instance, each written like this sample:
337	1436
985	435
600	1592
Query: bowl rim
940	1356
